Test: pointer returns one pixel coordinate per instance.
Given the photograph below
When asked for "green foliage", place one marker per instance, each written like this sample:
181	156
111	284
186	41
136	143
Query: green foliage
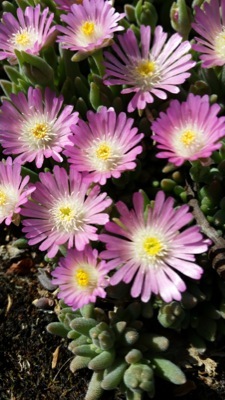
117	348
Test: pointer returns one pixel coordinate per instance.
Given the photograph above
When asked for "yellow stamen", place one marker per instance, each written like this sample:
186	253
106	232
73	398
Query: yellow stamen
40	130
103	152
23	38
187	137
146	68
152	246
88	28
3	198
66	213
82	277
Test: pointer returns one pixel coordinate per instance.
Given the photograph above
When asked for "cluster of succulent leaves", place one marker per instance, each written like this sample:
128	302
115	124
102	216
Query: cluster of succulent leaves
118	348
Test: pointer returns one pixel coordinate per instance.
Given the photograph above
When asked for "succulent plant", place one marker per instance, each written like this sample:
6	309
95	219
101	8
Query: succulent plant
118	348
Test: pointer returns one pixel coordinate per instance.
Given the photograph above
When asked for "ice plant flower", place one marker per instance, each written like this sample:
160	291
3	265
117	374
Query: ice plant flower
188	131
148	72
81	277
209	23
62	212
29	32
14	191
89	26
35	127
105	146
146	246
66	4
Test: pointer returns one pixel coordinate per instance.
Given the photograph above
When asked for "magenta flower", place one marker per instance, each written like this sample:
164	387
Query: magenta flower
13	191
81	277
148	72
62	212
29	32
188	131
209	23
90	26
105	146
35	127
146	246
66	4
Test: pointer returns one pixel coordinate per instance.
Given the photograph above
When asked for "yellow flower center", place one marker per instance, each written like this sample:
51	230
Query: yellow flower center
82	277
88	28
103	152
22	39
3	198
187	137
40	130
152	246
146	68
66	213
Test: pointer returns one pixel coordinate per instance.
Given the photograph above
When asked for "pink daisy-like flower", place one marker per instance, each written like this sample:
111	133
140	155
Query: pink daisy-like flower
29	32
105	146
189	130
148	72
63	210
80	277
35	127
147	246
210	24
90	26
13	191
66	4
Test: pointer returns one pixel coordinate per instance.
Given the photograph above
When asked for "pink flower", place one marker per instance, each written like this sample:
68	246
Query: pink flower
81	277
148	72
105	146
146	246
35	127
29	32
210	24
13	191
90	26
62	212
66	4
188	131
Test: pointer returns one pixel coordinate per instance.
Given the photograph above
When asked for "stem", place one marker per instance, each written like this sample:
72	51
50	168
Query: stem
98	59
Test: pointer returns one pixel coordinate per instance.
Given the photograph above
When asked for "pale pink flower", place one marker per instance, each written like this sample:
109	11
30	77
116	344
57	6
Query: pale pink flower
14	191
89	26
63	210
147	247
188	131
35	127
209	23
81	277
29	32
148	72
105	146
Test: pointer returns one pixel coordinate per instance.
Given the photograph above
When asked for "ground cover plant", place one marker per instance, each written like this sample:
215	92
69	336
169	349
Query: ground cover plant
112	134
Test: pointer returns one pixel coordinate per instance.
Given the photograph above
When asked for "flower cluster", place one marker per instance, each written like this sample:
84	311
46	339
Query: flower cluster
123	206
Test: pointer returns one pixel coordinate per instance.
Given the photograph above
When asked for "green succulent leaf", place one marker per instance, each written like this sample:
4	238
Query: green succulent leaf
166	369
